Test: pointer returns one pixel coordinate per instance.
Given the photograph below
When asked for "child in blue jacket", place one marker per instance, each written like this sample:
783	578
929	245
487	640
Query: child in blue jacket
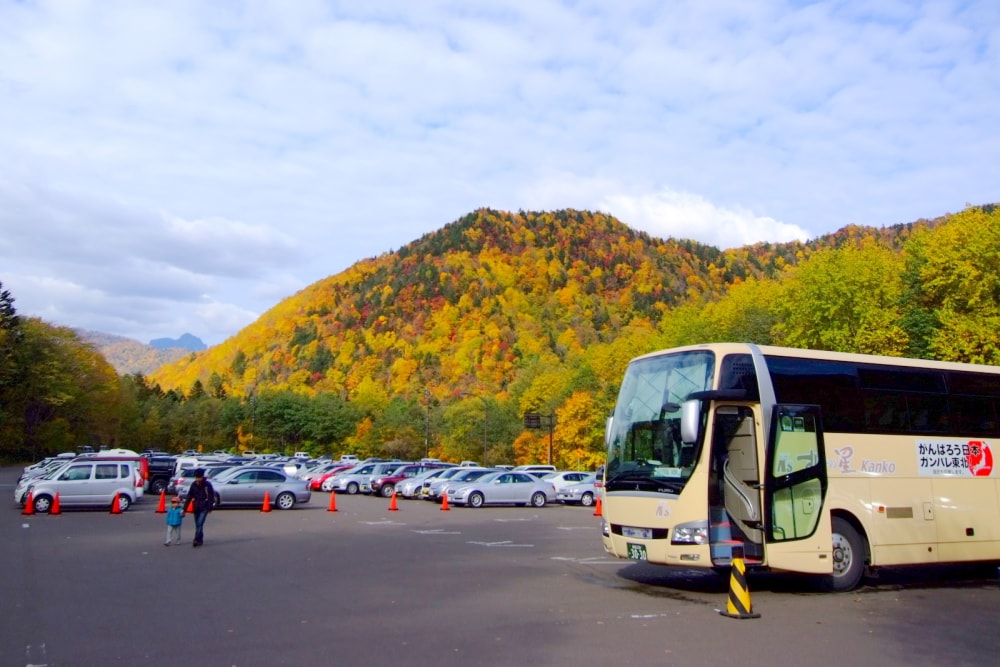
175	516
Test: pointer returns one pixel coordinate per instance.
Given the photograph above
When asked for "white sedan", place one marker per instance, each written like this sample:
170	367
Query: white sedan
566	477
503	488
583	493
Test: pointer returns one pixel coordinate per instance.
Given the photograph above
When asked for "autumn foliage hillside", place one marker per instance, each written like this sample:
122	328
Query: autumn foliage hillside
465	307
503	313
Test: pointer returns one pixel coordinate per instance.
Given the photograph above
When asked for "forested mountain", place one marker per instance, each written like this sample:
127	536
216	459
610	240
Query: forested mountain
466	307
130	356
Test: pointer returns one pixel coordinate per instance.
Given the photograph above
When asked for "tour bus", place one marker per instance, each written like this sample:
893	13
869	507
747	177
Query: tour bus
802	461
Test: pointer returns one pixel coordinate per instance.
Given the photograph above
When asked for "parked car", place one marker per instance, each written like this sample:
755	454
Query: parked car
179	486
536	469
326	480
565	478
582	493
386	484
438	486
83	483
161	470
502	488
354	480
320	469
46	466
248	486
296	467
411	486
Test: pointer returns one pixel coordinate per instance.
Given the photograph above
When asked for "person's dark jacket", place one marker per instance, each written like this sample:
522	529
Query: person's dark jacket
202	495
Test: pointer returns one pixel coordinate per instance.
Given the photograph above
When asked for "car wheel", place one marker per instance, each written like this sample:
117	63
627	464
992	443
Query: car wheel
476	500
387	490
587	499
849	555
285	501
538	499
124	502
352	488
218	500
42	504
159	486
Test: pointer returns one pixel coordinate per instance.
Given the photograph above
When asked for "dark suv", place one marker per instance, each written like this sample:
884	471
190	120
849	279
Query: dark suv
161	470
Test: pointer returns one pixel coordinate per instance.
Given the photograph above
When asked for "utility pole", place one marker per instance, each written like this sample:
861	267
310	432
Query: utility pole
427	424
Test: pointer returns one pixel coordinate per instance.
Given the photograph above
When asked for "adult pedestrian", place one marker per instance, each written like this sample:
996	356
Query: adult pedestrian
200	501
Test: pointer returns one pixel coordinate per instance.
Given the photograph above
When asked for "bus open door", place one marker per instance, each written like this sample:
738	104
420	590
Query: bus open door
797	531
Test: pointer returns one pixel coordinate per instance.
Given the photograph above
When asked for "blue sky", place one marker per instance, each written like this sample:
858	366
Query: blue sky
182	166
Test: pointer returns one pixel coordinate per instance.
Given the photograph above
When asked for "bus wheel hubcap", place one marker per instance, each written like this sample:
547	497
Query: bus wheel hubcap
841	554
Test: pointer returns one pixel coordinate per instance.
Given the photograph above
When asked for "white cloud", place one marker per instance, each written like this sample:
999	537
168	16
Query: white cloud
682	215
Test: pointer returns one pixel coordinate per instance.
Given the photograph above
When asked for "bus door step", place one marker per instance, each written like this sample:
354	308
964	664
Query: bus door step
724	547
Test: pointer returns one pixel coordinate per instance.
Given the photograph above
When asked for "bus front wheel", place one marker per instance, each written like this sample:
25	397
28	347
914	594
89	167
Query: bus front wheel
848	556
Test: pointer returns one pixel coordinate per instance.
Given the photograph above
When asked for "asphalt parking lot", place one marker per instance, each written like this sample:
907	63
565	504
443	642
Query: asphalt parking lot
419	586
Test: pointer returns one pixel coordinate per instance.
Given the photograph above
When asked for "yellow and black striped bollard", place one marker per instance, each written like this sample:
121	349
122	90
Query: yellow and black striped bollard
738	605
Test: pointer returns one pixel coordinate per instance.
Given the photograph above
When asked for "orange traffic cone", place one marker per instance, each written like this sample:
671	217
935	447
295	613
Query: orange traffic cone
392	503
444	503
54	508
333	503
29	504
116	507
190	507
597	507
162	508
266	507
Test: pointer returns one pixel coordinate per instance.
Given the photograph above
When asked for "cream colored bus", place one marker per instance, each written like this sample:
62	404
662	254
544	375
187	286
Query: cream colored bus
802	461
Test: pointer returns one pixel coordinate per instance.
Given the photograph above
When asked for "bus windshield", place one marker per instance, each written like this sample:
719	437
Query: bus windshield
645	452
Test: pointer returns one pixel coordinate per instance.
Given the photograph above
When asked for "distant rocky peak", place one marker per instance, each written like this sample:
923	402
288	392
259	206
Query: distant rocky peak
185	342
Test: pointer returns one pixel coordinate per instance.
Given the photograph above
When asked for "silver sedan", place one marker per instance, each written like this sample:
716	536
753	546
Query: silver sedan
248	486
503	488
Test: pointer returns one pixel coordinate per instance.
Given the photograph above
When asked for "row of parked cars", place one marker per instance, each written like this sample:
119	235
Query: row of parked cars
94	480
470	485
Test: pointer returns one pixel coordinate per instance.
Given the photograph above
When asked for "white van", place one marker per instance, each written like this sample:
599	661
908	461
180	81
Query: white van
89	482
119	454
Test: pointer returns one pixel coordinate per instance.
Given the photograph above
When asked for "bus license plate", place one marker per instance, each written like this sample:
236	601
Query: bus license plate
637	533
636	551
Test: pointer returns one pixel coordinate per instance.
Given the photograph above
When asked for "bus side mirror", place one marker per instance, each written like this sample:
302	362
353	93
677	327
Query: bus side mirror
690	421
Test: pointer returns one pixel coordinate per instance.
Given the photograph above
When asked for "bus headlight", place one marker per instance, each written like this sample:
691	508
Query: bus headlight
695	532
604	529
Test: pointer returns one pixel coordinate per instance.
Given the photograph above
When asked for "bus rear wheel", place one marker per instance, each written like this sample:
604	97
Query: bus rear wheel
848	556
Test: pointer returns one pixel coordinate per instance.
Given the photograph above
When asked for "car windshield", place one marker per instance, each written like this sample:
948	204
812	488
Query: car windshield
489	478
52	474
469	475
